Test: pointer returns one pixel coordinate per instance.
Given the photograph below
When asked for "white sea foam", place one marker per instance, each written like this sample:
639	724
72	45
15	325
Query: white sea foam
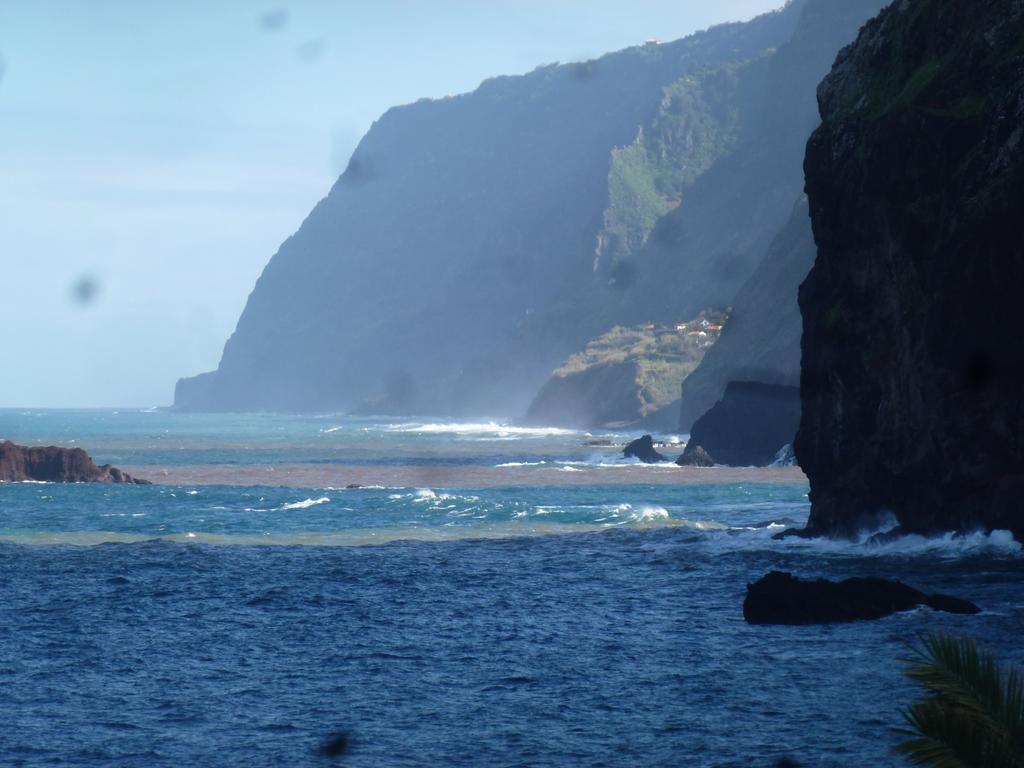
650	513
306	504
948	546
331	430
489	429
520	464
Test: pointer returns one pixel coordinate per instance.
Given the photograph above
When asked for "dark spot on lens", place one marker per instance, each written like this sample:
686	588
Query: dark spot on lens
358	172
729	267
668	232
979	372
623	275
583	70
400	387
311	50
336	745
84	290
274	20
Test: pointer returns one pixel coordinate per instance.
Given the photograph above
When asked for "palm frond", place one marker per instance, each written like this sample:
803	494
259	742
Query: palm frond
972	715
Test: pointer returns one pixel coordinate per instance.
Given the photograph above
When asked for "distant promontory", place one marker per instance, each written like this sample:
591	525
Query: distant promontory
51	464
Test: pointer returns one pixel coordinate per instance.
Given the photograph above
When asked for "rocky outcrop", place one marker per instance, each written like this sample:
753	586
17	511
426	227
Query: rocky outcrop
781	598
913	365
19	463
748	427
643	448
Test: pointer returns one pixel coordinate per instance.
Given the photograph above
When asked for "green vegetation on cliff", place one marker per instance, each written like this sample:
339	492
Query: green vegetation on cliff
695	125
627	376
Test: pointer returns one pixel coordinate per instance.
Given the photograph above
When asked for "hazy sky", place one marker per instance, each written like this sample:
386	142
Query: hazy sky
155	153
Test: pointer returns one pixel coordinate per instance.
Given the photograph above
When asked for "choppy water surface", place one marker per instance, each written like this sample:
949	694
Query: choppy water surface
527	624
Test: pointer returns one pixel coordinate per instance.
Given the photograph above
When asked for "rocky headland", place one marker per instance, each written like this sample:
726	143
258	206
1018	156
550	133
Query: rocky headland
51	464
913	367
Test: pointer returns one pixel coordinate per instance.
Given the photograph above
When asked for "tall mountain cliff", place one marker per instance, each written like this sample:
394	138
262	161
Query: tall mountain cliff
702	252
697	201
913	365
411	286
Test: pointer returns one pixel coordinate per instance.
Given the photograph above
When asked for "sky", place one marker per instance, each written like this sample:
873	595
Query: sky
154	155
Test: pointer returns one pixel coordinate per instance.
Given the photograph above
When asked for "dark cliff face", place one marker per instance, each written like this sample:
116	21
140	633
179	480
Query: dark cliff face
51	464
748	427
913	365
457	219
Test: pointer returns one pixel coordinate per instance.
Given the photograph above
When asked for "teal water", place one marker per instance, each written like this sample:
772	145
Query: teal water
513	616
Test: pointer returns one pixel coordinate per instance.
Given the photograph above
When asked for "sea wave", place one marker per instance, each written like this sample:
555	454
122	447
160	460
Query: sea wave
306	504
489	429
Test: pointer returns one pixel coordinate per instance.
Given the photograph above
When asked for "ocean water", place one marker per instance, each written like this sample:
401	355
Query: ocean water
494	596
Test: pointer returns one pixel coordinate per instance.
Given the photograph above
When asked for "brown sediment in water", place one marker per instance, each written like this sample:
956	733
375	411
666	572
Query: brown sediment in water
413	476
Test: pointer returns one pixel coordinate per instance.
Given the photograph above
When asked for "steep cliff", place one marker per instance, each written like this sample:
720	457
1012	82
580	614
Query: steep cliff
762	340
412	284
701	213
913	365
706	248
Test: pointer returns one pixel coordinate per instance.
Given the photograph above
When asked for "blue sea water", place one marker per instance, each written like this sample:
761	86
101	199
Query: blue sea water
242	621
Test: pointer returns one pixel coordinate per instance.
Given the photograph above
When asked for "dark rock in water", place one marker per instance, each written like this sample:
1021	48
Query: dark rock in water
353	486
19	463
643	448
695	456
335	746
781	598
913	365
748	426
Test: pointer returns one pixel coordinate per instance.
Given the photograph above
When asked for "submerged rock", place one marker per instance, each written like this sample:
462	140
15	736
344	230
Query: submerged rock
748	427
19	463
643	448
782	598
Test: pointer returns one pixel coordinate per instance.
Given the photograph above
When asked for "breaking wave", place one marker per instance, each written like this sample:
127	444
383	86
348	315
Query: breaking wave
484	430
306	504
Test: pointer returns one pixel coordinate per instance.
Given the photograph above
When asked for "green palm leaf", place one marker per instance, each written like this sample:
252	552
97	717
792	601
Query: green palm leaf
972	715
